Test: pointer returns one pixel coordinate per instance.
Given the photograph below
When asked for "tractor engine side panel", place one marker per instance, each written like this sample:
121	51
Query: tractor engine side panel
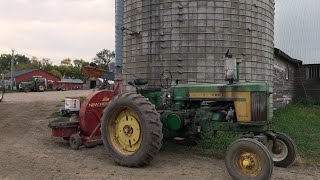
242	101
250	99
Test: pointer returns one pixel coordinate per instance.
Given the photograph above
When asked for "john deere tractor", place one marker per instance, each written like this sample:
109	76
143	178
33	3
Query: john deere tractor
134	123
36	84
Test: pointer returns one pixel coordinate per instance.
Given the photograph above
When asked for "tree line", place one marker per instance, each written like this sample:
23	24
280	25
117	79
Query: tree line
68	68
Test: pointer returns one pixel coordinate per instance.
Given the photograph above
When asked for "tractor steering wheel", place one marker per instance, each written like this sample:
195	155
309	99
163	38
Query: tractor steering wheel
166	79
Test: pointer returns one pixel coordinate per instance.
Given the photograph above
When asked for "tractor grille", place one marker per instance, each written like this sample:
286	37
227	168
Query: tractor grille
259	106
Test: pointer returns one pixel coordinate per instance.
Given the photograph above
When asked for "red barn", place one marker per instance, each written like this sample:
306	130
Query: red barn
68	84
24	75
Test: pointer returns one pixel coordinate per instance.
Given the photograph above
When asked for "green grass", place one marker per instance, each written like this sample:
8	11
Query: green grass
300	122
55	114
215	146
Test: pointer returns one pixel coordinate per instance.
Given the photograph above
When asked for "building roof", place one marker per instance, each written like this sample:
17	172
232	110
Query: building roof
285	56
19	73
74	81
311	64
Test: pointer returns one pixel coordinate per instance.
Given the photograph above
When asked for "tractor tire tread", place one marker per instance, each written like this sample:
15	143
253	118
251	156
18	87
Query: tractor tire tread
252	144
153	133
292	151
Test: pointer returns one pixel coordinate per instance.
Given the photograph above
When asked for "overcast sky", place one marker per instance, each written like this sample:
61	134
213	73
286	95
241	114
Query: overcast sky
59	29
297	29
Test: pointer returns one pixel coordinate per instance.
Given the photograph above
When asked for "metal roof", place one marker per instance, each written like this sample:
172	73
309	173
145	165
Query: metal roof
282	54
19	73
74	81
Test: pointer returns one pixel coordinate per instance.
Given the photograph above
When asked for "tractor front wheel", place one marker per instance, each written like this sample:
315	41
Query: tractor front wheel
40	87
284	153
131	130
248	159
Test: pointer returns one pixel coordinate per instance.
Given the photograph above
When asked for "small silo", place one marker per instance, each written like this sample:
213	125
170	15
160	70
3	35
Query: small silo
190	38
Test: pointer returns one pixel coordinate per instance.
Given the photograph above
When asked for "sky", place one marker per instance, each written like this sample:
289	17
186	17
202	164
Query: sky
59	29
297	29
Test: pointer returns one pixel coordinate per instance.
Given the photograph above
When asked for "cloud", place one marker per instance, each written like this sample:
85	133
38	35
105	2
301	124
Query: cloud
57	29
79	28
297	28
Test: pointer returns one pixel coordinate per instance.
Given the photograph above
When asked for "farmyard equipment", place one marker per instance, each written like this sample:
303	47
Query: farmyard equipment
82	126
134	123
36	83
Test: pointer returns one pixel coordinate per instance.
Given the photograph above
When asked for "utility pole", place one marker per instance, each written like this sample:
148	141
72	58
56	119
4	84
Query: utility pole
12	68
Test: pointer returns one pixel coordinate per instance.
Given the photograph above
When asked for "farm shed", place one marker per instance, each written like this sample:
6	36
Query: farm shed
310	77
286	78
68	84
91	82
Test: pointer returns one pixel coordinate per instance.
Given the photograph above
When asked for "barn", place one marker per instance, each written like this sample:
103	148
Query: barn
24	75
68	84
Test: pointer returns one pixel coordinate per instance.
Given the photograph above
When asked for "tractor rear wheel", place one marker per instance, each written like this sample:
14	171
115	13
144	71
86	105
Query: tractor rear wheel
2	90
248	159
131	130
284	154
40	87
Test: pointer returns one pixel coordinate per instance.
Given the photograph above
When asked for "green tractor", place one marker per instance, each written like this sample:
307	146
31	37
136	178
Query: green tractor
36	84
134	123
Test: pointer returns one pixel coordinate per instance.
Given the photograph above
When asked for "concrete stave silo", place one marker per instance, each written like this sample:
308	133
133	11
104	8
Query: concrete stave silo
190	38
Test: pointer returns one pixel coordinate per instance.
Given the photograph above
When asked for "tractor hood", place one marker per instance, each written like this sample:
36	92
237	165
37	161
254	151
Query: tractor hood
184	92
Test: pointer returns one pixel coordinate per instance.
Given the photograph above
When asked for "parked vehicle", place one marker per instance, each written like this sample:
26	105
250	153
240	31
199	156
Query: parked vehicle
36	84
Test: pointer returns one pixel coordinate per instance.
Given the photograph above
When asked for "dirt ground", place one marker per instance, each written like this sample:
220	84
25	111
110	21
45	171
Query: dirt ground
27	151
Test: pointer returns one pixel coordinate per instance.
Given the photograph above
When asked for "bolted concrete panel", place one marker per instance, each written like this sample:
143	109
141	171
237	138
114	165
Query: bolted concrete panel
190	38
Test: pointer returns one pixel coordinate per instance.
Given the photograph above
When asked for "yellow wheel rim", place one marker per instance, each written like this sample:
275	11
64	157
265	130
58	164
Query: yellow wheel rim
249	163
125	132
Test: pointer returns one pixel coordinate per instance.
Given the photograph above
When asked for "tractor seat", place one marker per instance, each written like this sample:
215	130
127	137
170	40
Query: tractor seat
140	82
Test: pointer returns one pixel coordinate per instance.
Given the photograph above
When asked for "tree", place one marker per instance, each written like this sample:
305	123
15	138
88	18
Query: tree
103	58
56	73
46	64
80	63
20	59
77	69
5	61
65	69
66	62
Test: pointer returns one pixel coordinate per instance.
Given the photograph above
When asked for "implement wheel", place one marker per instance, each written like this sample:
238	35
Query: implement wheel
75	141
131	130
284	153
2	90
248	159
